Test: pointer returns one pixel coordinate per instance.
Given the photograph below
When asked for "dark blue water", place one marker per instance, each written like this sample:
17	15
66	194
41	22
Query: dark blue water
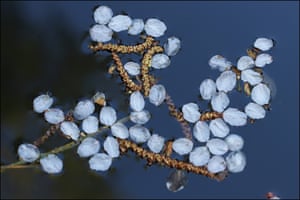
44	48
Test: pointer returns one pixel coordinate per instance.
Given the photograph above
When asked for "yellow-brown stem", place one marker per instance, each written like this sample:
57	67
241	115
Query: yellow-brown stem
207	116
123	48
253	52
237	72
146	63
51	131
178	115
164	160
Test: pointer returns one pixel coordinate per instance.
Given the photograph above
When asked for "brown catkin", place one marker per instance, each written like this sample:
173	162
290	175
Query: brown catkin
123	74
123	48
146	63
164	160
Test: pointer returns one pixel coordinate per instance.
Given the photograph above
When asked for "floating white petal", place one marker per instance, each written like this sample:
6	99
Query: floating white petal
119	130
260	94
83	109
255	111
263	59
54	115
263	44
199	156
245	62
136	101
217	146
172	46
226	81
140	117
28	152
100	33
111	146
120	23
216	164
90	124
102	14
100	162
88	147
160	61
207	89
132	68
191	112
42	103
139	134
218	128
155	27
234	142
156	143
251	76
201	131
70	129
219	62
51	164
176	181
136	27
182	146
234	117
108	115
236	161
220	101
157	94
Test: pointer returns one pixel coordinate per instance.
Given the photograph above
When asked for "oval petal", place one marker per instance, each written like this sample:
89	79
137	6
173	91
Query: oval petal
216	164
120	130
191	112
199	156
220	101
51	164
111	146
136	101
155	27
120	23
108	115
260	94
218	128
255	111
226	81
236	161
182	146
217	146
234	117
88	147
139	134
156	143
157	94
201	131
207	89
42	103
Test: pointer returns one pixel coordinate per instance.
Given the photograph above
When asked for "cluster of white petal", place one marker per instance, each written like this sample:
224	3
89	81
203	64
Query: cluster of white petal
107	24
